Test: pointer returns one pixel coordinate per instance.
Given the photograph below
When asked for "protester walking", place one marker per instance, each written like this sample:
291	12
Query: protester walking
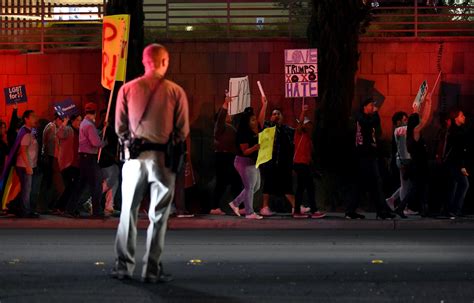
302	167
90	173
455	155
277	173
368	178
225	150
68	159
26	161
418	171
49	165
248	147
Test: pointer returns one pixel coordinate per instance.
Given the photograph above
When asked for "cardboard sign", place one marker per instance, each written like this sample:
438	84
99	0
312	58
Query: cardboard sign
420	96
265	139
301	73
66	108
115	32
239	93
15	94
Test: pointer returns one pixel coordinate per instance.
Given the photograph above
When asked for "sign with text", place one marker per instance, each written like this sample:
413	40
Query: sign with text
66	108
266	139
239	93
15	94
420	96
115	32
301	73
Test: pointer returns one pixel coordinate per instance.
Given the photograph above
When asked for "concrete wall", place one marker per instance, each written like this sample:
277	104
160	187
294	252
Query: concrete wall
391	70
51	77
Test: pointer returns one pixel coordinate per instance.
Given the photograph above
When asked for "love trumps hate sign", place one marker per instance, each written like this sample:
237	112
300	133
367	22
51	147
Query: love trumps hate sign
301	73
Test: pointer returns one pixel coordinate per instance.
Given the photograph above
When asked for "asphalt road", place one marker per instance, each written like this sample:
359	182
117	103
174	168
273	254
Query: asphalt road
244	266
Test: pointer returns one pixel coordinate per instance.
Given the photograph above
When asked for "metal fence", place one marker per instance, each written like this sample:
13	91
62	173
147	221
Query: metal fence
39	24
36	25
227	19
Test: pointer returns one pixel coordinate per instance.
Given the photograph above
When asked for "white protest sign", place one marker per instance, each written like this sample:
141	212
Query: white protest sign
261	89
239	93
420	96
301	73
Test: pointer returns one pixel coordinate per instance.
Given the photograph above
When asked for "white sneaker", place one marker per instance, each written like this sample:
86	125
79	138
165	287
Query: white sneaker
265	211
409	212
304	209
217	212
391	203
254	216
234	208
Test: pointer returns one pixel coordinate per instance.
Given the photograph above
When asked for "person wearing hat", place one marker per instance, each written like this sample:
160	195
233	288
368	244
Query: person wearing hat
368	177
90	172
151	112
302	167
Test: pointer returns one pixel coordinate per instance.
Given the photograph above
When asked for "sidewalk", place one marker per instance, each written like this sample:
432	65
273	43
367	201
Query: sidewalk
334	221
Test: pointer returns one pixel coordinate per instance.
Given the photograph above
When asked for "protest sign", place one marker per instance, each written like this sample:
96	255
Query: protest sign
420	96
239	93
301	73
15	94
261	89
115	32
66	108
265	139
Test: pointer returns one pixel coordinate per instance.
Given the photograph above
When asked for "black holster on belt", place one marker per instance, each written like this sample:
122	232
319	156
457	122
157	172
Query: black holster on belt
175	153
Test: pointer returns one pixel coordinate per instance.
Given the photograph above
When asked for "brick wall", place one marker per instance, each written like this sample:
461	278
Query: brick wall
51	77
391	70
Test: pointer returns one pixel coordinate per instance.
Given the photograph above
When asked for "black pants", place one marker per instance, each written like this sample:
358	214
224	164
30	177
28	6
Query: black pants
226	175
417	195
369	180
90	176
71	180
304	182
48	193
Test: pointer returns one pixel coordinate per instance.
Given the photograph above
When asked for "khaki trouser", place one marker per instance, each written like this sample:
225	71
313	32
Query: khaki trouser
148	171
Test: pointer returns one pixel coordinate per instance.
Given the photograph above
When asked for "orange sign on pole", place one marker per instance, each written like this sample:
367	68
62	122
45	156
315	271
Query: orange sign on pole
115	32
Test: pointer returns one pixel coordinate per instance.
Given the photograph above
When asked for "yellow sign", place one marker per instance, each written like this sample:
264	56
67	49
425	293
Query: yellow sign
265	139
115	31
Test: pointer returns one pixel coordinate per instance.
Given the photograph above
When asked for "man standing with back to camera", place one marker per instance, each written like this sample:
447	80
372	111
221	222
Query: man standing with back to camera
149	110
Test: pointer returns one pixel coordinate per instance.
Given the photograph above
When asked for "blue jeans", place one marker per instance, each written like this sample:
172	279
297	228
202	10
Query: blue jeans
251	180
459	187
26	182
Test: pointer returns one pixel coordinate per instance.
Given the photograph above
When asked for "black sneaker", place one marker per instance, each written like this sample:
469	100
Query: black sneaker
115	274
354	215
385	216
163	278
31	215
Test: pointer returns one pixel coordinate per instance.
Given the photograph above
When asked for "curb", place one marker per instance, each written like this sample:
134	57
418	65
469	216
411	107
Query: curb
231	222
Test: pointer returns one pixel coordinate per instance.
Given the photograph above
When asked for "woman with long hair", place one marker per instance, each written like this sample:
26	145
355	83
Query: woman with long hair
418	174
247	146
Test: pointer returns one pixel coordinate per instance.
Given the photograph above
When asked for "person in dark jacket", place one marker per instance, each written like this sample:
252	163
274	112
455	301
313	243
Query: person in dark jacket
369	178
15	124
109	164
455	157
225	151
